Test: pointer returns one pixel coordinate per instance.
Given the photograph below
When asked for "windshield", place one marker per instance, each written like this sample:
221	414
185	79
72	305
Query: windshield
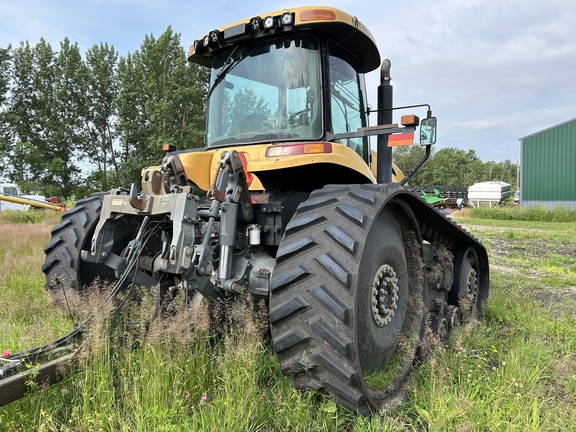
265	92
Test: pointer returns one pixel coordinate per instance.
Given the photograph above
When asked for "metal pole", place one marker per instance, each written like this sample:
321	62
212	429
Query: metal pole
385	101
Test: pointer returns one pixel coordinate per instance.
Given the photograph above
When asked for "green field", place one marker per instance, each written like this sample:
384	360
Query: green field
516	371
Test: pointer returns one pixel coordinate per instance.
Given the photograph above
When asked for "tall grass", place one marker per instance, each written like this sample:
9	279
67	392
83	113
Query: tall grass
516	371
532	214
25	319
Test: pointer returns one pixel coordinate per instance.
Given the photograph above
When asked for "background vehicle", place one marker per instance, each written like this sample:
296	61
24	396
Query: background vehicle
12	199
298	212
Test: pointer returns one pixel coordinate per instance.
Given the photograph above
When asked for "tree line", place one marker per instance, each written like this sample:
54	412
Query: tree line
64	114
72	124
452	168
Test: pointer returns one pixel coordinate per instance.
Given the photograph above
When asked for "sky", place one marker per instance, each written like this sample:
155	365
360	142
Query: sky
493	71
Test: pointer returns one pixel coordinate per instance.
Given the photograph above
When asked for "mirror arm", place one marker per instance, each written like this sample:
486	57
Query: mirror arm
371	131
428	113
417	166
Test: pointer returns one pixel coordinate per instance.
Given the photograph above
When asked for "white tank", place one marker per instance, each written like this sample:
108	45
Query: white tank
489	193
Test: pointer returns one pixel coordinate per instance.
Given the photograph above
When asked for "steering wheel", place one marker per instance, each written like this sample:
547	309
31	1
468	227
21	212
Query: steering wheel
294	121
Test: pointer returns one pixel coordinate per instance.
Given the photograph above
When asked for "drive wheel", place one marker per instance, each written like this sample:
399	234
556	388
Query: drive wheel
346	314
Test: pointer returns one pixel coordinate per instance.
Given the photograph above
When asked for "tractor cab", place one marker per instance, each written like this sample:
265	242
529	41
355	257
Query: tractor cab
291	76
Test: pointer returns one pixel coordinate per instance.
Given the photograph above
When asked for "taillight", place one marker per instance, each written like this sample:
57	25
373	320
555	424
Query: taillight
401	139
298	149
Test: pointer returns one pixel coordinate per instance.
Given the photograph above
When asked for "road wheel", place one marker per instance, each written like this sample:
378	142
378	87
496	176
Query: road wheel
346	313
465	290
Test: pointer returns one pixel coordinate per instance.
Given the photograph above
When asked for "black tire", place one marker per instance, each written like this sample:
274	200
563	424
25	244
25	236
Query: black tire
67	275
63	266
324	329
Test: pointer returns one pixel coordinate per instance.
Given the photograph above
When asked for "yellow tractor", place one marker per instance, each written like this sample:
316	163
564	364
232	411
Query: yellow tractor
287	202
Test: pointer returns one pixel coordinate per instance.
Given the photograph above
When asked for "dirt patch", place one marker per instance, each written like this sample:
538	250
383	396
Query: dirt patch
557	301
547	266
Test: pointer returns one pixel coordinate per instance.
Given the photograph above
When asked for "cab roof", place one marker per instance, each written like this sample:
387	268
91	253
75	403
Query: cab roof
322	21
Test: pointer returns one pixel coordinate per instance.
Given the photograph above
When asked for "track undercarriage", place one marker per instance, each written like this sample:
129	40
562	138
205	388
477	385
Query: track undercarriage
357	277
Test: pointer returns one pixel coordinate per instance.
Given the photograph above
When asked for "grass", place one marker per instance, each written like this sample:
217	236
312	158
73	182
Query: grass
532	214
516	371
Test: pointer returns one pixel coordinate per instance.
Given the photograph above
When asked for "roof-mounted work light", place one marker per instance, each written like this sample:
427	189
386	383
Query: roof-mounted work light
269	22
256	23
287	18
215	36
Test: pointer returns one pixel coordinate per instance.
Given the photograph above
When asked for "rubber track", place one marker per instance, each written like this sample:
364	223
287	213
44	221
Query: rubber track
312	299
312	289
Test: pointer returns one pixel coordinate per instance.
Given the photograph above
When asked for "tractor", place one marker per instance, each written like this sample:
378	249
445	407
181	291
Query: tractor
288	202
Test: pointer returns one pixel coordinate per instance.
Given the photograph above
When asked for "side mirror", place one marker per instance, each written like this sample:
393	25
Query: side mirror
428	128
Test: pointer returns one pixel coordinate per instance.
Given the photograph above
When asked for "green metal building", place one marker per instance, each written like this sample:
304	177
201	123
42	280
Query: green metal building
548	167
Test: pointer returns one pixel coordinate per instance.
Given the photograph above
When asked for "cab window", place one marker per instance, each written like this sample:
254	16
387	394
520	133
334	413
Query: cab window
347	111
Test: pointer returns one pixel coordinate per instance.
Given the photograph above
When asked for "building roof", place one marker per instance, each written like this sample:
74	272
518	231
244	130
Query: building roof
548	128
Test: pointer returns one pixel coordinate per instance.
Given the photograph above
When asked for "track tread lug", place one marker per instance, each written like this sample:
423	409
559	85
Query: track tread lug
287	308
289	339
367	196
333	304
344	392
346	373
300	245
295	274
343	239
333	267
318	201
353	214
336	339
304	222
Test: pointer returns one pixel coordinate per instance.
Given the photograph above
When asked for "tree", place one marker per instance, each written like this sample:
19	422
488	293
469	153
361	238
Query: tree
43	116
191	103
161	101
5	58
19	116
504	171
100	112
452	167
68	133
406	158
59	96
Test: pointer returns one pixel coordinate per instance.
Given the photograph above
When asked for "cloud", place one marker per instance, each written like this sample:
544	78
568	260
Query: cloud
493	71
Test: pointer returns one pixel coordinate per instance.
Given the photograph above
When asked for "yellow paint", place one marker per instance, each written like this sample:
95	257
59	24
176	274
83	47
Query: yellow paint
201	167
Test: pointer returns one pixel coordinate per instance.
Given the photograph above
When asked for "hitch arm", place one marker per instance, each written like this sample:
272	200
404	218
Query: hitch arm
231	178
